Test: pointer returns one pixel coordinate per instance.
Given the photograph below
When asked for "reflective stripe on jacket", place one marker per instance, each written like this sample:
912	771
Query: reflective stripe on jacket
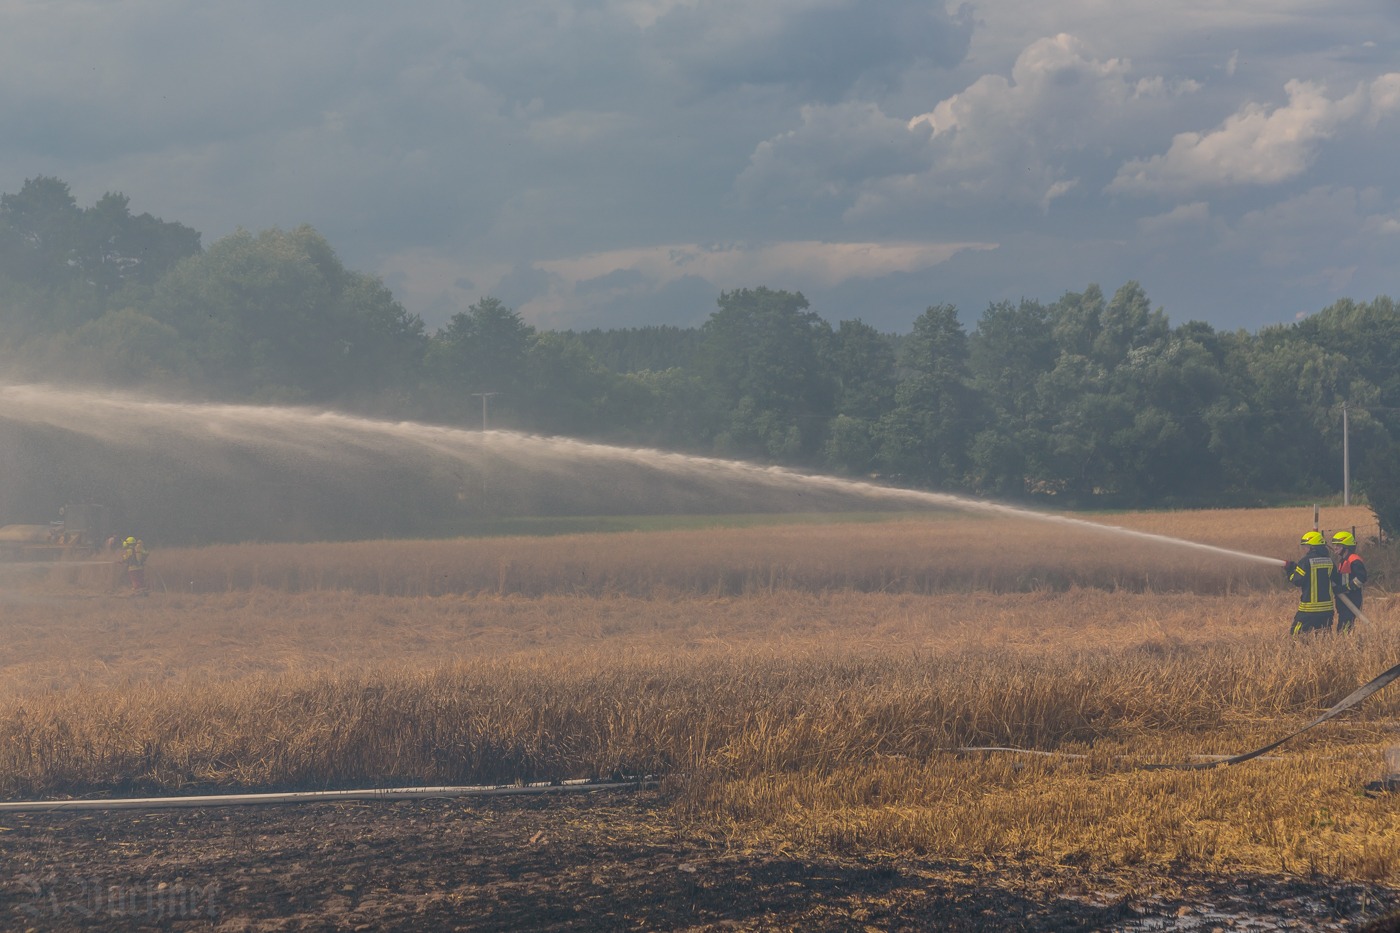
1313	575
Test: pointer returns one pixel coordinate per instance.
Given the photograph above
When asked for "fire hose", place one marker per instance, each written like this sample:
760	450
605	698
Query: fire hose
322	796
1376	684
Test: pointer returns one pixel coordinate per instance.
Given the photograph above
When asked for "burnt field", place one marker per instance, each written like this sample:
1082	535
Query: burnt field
817	703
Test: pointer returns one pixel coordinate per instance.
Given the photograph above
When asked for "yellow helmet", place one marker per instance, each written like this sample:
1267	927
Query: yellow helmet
1312	538
129	542
1344	538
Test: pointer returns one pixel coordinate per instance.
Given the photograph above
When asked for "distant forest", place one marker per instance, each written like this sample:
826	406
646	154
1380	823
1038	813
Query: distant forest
1091	400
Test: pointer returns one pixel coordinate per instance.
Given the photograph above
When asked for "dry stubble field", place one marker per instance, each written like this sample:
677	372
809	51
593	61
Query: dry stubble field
806	694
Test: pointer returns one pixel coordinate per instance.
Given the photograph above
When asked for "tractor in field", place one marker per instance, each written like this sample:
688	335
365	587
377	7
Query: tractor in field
77	534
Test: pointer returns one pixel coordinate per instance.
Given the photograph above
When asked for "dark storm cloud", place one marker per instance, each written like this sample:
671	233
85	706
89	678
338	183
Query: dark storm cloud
820	51
572	157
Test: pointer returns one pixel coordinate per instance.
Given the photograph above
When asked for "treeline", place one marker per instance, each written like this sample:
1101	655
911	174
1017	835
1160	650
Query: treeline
1090	399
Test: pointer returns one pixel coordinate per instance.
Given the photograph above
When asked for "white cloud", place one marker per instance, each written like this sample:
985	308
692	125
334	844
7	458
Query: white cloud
1058	189
1184	216
1257	146
441	284
1022	140
822	263
797	265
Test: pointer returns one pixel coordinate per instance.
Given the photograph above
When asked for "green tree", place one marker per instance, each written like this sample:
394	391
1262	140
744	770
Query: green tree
927	436
1011	350
125	348
762	359
114	248
1012	347
667	408
72	261
39	232
482	349
276	316
861	362
568	391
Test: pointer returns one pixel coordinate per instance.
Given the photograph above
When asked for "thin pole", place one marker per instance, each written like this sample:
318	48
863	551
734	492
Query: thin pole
484	397
1346	458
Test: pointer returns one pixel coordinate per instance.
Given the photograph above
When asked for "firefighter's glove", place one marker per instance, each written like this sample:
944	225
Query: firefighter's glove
1288	568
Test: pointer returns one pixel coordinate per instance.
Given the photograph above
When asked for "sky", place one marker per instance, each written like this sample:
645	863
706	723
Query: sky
618	163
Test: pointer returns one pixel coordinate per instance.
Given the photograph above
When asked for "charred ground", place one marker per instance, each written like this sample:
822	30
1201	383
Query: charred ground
613	861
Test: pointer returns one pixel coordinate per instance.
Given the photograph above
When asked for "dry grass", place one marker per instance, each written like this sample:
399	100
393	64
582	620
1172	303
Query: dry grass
920	555
789	710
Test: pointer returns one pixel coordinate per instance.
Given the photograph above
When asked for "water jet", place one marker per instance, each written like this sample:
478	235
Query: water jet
209	472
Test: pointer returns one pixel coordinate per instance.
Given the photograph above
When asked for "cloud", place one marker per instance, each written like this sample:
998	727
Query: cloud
1335	226
795	265
1184	217
831	155
572	156
819	49
1258	146
1026	141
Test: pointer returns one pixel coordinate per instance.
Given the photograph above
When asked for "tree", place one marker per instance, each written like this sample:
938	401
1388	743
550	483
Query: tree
1377	477
667	408
39	232
1012	347
861	362
937	412
762	358
124	347
77	260
568	392
1011	351
114	248
1128	324
276	316
482	349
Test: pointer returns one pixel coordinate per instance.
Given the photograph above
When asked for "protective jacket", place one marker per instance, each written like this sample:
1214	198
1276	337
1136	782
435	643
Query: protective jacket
1348	580
1313	577
134	556
1351	575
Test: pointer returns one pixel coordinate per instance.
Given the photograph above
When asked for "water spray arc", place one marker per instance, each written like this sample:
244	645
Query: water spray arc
212	441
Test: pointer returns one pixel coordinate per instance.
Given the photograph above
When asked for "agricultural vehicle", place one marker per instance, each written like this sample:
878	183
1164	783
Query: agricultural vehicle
78	534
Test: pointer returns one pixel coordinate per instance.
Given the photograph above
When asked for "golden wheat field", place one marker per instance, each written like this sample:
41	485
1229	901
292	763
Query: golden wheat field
813	688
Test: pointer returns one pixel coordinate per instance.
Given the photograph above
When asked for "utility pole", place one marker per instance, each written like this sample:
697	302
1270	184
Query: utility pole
1346	459
484	397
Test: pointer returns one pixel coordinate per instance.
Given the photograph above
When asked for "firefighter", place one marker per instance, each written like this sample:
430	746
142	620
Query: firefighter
1313	576
134	556
1347	579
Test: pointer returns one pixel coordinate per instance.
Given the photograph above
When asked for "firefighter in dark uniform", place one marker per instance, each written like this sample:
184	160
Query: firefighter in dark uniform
1313	576
1348	579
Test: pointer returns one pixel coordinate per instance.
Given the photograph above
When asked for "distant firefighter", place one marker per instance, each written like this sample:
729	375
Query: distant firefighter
134	556
1348	579
1313	576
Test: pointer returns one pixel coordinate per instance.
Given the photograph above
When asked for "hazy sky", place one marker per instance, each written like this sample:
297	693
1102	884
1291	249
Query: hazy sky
619	162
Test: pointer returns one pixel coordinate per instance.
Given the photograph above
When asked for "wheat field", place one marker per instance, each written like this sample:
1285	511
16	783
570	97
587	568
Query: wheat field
809	688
